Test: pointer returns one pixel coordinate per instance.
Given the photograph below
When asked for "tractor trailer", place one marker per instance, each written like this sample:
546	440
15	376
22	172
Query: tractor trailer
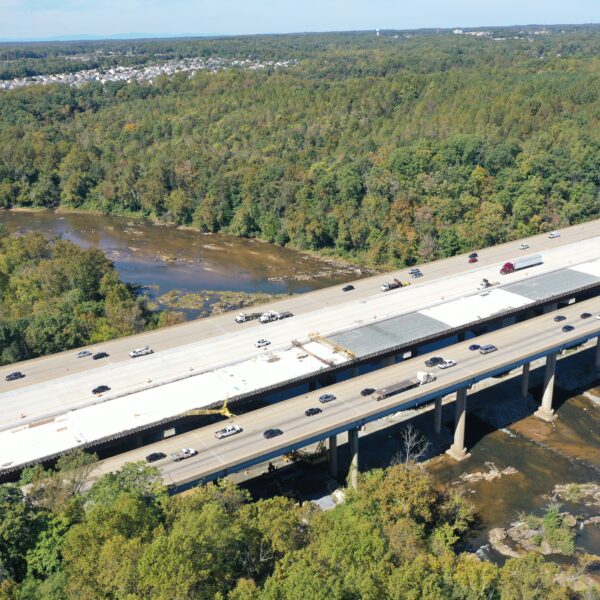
408	384
521	263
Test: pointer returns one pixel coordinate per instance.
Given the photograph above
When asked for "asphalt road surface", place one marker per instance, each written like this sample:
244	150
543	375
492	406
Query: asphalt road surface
515	343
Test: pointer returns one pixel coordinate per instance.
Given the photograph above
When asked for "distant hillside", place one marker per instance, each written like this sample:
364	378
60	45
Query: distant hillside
388	150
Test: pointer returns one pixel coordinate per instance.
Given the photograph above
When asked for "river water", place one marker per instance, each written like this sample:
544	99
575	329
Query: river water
162	259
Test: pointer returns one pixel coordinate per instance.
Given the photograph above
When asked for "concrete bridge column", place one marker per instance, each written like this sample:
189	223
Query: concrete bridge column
597	359
354	458
461	336
458	451
509	321
550	308
437	416
312	386
333	457
388	361
354	372
545	411
525	380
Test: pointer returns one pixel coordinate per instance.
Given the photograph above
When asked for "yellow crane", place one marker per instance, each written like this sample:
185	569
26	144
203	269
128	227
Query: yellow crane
223	410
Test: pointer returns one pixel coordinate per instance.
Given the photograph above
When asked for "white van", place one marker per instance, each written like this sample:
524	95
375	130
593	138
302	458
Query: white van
554	234
141	352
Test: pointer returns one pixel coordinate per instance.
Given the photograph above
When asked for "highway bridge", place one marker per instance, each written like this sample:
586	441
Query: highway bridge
517	346
202	363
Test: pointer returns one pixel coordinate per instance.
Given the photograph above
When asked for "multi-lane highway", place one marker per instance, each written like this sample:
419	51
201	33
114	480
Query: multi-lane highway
201	363
516	345
65	364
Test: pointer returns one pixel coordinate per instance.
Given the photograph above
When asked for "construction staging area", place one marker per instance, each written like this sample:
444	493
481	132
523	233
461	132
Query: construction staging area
201	364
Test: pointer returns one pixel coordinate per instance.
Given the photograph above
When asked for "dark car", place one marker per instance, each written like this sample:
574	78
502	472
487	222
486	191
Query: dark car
99	355
309	412
586	315
367	391
474	347
433	361
155	456
100	389
473	259
559	318
348	288
568	328
15	375
271	433
473	255
417	274
414	270
326	398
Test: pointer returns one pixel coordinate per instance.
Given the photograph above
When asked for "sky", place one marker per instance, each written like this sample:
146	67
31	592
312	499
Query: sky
27	19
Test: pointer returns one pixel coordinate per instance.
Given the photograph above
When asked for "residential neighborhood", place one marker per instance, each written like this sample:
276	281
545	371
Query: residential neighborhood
147	73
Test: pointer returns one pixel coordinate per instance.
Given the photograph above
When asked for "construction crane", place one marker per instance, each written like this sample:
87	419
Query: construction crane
223	411
316	337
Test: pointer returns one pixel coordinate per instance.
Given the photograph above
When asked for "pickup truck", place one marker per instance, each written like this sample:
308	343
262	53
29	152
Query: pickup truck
227	431
183	454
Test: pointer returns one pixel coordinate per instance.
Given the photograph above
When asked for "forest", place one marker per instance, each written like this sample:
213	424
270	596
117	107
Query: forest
124	538
383	150
55	295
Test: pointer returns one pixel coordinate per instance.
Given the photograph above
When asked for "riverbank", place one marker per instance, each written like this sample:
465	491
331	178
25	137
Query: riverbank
161	260
333	266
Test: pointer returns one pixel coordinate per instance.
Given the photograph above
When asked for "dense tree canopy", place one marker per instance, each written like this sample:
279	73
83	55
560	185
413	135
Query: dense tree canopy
55	295
390	149
396	537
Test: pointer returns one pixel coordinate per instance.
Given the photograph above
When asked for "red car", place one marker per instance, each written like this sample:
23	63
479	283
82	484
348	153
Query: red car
473	259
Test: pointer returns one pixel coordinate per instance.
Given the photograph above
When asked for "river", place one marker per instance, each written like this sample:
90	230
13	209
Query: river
162	259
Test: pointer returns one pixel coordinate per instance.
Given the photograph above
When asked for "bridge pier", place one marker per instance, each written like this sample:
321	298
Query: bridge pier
437	416
388	361
354	458
550	308
597	358
354	372
545	411
461	336
509	321
525	380
333	457
312	386
458	451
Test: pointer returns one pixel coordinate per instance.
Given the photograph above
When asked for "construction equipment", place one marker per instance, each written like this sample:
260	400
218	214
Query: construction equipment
315	337
319	454
223	411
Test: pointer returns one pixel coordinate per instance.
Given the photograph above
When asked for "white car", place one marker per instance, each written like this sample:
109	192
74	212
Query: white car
554	234
447	364
227	431
83	354
523	246
141	352
262	343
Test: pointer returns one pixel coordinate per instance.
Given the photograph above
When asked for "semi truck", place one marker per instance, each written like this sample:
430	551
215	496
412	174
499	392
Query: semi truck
422	378
521	263
273	315
243	317
386	287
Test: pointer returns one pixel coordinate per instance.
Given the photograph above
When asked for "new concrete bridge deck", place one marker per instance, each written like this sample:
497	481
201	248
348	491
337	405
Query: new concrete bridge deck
201	363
